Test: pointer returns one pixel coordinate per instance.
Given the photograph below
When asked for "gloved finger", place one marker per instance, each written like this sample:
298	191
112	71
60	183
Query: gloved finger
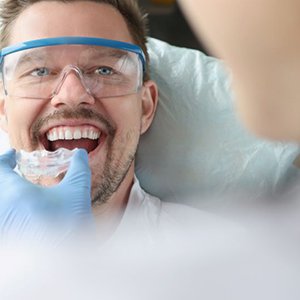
8	160
7	174
79	173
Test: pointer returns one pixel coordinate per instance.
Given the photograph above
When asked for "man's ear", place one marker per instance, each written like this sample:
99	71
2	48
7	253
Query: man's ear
149	104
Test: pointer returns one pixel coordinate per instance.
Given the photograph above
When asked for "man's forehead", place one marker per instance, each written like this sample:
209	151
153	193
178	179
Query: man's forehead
52	19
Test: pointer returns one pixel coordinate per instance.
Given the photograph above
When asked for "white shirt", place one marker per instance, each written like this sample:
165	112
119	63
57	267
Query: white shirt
147	219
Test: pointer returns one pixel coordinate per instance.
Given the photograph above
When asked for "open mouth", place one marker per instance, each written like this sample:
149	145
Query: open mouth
70	137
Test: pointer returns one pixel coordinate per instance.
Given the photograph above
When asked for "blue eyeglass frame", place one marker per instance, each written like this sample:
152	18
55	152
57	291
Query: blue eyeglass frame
74	40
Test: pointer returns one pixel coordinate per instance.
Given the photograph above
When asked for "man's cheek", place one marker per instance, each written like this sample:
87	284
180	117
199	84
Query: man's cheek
3	123
14	137
3	115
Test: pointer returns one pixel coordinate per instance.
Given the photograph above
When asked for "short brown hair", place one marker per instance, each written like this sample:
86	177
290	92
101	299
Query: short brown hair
129	9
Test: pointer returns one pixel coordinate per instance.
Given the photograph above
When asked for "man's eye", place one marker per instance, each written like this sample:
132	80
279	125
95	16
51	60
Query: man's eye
104	71
40	72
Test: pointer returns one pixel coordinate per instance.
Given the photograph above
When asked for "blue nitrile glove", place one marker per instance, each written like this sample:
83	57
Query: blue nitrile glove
45	213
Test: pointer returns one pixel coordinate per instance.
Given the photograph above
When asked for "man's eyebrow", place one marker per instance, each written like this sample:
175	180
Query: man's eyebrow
114	54
108	52
33	55
38	55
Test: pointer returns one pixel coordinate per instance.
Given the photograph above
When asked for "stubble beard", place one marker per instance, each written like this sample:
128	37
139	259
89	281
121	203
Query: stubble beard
114	172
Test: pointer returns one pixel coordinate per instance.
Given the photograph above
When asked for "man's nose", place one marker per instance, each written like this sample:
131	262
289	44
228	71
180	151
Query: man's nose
71	90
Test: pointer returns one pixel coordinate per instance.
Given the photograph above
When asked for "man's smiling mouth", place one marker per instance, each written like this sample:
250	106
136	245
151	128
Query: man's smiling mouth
70	137
72	129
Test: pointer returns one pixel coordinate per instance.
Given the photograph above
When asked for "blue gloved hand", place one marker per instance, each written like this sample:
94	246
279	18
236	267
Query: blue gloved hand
45	213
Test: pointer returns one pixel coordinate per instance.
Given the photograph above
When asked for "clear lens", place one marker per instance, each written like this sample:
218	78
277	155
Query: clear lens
39	73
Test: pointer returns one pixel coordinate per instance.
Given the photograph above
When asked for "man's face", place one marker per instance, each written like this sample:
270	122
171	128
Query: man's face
115	122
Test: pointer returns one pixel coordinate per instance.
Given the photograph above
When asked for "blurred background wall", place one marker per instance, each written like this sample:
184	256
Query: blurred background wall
167	23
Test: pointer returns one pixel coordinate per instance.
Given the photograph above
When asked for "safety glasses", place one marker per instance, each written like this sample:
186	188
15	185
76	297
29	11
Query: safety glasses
38	69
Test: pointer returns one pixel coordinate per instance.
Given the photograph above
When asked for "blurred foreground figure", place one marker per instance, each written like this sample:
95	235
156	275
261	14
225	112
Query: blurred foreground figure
259	41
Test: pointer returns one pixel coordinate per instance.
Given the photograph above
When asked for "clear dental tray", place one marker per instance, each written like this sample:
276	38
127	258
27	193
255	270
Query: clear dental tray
43	163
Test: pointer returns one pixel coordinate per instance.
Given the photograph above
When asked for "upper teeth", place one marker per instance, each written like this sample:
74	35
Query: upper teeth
73	133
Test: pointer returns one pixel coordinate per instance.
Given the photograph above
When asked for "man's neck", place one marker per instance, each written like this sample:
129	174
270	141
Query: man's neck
108	215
